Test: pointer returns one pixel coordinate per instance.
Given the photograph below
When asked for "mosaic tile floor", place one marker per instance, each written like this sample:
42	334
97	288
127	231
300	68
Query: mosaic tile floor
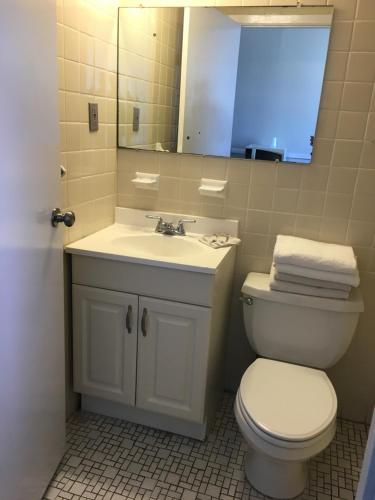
109	459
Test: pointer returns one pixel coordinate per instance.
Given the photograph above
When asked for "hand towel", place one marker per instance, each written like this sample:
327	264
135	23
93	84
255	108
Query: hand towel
343	278
303	280
284	286
314	255
219	240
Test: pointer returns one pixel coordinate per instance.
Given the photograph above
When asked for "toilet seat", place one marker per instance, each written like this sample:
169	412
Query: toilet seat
285	404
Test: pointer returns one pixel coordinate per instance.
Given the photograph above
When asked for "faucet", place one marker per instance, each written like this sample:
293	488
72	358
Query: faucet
168	228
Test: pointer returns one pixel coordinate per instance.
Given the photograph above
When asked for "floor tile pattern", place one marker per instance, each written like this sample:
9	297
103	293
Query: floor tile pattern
110	459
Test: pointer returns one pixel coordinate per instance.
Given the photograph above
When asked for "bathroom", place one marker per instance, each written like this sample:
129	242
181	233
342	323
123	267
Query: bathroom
329	200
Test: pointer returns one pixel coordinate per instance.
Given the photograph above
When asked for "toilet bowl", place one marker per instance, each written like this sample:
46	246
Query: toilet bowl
287	415
286	405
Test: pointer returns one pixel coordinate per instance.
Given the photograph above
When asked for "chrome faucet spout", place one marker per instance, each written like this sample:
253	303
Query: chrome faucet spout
168	228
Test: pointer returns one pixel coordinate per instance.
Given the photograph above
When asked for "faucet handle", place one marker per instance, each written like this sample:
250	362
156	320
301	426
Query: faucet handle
182	221
158	218
180	225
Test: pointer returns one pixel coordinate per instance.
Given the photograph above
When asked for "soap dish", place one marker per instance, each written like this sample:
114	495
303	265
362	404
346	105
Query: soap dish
213	187
144	180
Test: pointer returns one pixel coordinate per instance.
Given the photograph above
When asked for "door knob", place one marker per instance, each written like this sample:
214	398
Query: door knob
57	216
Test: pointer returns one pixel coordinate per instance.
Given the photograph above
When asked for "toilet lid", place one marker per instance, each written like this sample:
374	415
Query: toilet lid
288	401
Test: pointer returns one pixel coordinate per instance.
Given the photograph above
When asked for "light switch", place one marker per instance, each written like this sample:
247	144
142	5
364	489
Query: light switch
136	118
93	117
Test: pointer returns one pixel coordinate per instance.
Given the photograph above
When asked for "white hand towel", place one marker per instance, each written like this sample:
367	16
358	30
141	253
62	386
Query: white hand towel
284	286
314	255
303	280
219	240
344	278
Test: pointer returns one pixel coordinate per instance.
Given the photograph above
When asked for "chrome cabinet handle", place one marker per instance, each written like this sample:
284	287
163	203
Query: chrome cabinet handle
144	322
129	319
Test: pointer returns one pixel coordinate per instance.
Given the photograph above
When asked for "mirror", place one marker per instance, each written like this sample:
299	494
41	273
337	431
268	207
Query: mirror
240	82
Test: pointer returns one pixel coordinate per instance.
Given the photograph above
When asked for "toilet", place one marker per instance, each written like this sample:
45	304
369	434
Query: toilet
286	405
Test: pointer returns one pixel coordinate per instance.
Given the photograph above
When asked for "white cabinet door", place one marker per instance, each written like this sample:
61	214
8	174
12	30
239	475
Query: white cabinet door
105	343
172	358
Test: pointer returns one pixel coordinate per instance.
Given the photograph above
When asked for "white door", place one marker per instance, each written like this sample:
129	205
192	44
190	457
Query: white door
32	410
366	485
105	343
172	358
210	50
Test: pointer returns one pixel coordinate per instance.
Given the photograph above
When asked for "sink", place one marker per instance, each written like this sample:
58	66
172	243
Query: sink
159	245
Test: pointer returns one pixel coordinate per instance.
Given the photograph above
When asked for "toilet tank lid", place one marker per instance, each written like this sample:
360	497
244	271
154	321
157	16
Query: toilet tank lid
257	285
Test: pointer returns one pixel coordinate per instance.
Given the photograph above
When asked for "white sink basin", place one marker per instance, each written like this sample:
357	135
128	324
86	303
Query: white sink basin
132	238
159	245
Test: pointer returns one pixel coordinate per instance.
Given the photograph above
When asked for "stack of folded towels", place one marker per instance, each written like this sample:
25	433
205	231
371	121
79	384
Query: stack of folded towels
310	267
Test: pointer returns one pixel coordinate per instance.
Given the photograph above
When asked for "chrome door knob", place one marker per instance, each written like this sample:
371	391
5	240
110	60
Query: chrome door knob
68	218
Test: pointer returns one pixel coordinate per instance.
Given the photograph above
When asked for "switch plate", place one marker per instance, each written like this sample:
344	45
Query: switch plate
136	118
93	117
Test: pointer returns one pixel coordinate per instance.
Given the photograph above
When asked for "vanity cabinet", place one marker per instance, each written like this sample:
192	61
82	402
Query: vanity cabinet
143	352
148	341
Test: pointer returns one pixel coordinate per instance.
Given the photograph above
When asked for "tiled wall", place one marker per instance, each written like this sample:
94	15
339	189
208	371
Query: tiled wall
86	45
149	76
331	200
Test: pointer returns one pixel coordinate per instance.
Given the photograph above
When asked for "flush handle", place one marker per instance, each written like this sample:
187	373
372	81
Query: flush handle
129	319
144	322
247	300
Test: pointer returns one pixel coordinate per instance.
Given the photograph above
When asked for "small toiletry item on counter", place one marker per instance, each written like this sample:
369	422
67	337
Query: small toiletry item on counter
219	240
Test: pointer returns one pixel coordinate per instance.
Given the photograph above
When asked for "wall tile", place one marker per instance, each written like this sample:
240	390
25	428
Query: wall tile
361	67
351	125
357	96
363	36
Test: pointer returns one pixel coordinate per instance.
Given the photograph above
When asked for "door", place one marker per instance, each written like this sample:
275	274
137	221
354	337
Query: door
366	485
210	50
172	358
105	343
32	417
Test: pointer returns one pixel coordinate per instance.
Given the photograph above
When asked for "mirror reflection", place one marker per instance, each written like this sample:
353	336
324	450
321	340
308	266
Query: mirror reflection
235	82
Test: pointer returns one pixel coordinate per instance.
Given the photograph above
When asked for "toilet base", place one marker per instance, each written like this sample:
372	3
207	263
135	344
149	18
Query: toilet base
274	478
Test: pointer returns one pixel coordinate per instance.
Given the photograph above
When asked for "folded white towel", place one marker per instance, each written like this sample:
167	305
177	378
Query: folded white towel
284	286
314	255
303	280
219	240
344	278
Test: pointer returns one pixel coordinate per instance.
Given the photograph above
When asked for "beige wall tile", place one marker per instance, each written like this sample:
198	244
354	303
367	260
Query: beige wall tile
344	9
363	36
310	203
357	96
342	180
341	35
347	153
338	205
361	67
366	10
351	125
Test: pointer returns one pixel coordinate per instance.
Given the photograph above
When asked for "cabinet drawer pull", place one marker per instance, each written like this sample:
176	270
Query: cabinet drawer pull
144	322
129	319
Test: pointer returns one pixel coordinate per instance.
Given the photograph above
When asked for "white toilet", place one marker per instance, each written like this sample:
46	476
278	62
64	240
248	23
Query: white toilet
286	405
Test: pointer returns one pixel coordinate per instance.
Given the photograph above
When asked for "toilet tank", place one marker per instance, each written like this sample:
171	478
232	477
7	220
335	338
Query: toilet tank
300	329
